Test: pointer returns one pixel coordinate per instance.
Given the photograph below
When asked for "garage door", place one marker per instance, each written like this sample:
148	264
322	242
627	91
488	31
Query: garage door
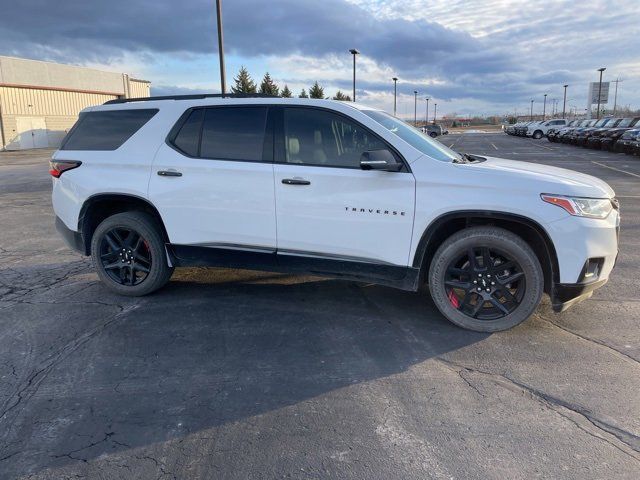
32	132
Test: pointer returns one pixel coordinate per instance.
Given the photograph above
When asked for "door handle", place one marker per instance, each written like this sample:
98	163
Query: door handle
169	173
295	181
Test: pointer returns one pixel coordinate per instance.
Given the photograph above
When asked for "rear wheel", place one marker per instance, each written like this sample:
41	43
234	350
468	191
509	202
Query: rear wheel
433	134
485	279
129	255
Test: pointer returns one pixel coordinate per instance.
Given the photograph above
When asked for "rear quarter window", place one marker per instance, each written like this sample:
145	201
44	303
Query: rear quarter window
106	130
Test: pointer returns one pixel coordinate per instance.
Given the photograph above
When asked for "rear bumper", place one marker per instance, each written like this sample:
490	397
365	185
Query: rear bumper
73	239
564	295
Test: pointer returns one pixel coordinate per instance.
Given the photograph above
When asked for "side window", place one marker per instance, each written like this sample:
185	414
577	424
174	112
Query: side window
318	137
233	133
188	138
106	129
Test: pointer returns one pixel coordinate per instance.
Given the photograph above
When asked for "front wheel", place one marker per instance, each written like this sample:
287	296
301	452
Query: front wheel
486	279
433	134
129	255
537	134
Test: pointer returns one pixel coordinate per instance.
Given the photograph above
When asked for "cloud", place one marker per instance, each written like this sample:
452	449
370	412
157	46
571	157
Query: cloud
491	54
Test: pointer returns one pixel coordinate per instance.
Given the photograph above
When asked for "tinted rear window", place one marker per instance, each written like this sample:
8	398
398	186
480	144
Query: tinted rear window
233	133
106	130
188	138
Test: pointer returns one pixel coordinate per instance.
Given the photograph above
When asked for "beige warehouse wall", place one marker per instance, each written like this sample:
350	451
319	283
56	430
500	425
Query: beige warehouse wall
139	88
60	110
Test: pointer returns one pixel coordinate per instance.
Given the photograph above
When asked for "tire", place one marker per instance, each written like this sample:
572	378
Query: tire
122	270
537	134
524	281
433	134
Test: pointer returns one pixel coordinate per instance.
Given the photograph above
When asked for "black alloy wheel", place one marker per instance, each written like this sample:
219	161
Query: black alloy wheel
125	256
484	283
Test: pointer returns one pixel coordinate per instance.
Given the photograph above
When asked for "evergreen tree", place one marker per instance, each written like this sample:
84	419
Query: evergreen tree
303	94
243	82
341	96
268	86
286	93
316	91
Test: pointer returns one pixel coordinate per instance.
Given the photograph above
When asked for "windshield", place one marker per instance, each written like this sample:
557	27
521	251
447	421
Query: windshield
625	122
413	137
601	123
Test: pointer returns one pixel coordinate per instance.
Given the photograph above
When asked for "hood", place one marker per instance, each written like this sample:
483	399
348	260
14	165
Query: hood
540	178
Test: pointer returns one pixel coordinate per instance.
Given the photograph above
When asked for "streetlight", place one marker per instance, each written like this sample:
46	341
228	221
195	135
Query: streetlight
435	112
531	115
354	52
544	108
564	102
415	108
395	94
223	82
599	90
426	118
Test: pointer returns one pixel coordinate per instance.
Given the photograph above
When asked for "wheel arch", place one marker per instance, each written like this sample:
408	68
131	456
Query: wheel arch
98	207
529	230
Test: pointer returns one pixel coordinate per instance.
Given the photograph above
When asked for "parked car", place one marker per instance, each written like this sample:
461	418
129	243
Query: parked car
569	136
609	138
144	186
521	130
581	137
592	137
553	133
629	142
432	130
510	129
540	129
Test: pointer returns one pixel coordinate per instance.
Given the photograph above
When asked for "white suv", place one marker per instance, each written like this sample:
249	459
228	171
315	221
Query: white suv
539	129
326	188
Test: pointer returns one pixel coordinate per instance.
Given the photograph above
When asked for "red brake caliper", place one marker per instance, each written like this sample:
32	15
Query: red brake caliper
453	298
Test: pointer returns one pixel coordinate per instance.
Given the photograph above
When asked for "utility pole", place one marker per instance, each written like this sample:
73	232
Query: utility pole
615	96
544	108
415	108
395	95
599	91
223	82
564	101
435	112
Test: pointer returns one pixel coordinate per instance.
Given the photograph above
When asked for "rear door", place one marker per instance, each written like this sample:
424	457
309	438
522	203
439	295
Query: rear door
327	206
213	182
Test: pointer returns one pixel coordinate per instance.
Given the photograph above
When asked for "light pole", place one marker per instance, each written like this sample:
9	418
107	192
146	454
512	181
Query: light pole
395	94
435	112
544	108
223	82
415	108
564	101
426	118
599	91
531	115
354	52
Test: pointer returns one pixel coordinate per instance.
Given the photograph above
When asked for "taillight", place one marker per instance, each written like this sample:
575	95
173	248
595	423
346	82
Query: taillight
58	167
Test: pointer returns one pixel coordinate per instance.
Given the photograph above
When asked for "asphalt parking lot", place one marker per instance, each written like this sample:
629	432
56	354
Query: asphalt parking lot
237	374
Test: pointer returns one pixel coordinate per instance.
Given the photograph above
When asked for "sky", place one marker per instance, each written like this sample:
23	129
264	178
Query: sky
471	57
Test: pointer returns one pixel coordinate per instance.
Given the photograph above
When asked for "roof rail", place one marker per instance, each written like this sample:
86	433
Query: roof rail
191	97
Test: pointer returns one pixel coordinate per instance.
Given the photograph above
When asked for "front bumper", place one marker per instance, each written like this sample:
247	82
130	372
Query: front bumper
564	295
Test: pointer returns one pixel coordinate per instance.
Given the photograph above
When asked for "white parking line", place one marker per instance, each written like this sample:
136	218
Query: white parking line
541	146
493	145
616	169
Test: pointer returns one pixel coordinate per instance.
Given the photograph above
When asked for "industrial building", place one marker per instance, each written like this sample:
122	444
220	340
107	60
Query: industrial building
40	101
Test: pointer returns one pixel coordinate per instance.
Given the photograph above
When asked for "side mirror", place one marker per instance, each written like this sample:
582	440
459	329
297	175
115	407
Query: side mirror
379	160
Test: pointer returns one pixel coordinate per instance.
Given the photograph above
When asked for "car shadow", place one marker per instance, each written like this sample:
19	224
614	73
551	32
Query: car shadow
204	352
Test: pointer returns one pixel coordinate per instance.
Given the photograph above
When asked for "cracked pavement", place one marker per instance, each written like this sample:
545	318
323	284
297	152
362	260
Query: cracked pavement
238	374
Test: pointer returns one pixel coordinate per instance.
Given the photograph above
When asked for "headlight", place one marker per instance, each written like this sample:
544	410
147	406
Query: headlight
581	207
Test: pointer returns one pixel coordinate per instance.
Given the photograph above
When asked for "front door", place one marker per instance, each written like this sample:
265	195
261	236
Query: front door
326	205
214	187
